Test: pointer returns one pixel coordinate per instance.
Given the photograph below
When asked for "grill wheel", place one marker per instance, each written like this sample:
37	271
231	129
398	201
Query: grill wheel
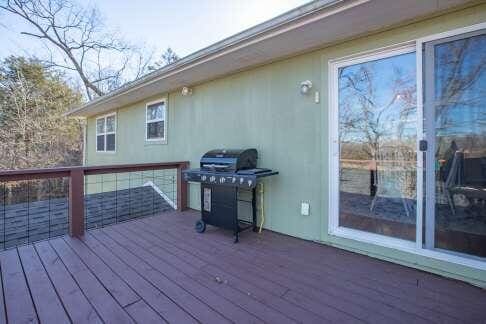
200	226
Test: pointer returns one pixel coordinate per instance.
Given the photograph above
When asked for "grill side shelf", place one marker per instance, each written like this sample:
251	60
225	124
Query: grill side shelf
225	179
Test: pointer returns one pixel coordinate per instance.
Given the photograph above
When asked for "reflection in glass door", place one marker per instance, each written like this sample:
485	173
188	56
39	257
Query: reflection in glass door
455	126
377	144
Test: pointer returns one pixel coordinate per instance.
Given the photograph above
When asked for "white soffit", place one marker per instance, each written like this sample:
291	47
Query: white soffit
303	29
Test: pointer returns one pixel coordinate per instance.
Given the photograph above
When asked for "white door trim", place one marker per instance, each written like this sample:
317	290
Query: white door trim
333	155
334	65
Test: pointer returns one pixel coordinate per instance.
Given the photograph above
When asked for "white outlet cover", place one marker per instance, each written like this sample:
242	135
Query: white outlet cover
304	208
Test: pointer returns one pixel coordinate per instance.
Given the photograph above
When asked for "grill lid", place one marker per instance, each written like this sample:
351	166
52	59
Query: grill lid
229	160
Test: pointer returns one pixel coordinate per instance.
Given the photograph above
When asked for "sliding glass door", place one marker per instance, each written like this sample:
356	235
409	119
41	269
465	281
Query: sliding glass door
455	126
377	144
410	175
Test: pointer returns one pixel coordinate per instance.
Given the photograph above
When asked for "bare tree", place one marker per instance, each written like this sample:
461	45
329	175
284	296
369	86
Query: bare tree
34	131
365	110
168	57
78	41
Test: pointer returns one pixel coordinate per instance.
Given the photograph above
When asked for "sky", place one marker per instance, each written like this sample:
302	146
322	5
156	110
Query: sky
184	25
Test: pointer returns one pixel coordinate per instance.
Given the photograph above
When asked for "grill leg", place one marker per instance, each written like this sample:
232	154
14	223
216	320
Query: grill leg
237	224
253	208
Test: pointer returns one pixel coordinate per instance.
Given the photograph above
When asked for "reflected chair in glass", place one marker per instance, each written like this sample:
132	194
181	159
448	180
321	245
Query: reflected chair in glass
395	175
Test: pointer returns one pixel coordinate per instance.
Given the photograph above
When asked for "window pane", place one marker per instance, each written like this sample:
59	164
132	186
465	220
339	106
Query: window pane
100	143
110	142
110	124
155	111
459	80
100	126
377	138
155	130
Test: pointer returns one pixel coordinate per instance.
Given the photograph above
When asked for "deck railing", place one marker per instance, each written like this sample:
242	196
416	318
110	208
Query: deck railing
37	204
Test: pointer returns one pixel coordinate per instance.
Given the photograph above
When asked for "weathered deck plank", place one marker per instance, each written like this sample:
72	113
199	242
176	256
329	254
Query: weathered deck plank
166	307
206	274
3	315
346	281
76	304
106	306
158	269
183	272
161	277
114	284
18	302
47	303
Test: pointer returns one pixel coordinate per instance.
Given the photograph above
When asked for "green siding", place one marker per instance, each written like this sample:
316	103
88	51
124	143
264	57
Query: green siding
263	108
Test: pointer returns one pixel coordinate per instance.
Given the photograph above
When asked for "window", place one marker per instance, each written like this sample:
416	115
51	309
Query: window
155	121
376	131
105	133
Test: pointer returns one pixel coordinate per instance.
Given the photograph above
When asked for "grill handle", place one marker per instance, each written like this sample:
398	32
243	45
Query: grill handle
215	166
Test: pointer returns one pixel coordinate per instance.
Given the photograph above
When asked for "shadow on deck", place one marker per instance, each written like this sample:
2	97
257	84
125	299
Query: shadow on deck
157	269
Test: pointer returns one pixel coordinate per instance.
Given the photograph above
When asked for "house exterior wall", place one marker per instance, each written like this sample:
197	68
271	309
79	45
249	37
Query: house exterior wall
263	108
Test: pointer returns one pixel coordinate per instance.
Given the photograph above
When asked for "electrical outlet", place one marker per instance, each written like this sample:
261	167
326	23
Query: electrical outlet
304	208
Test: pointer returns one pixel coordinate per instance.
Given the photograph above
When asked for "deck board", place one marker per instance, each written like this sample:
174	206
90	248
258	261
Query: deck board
155	296
157	269
335	309
207	273
110	280
3	318
344	283
18	302
179	266
171	281
75	302
47	303
104	303
141	312
290	279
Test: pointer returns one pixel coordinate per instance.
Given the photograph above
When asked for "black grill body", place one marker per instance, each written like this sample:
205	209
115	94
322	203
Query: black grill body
229	160
226	176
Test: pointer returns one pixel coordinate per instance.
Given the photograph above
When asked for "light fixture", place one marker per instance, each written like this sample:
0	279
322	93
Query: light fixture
305	86
186	91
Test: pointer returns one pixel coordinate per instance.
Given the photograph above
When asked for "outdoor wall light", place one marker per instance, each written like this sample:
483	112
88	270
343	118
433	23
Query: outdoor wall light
305	87
186	91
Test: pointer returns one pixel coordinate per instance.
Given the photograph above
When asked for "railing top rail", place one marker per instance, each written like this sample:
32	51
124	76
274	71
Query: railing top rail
28	174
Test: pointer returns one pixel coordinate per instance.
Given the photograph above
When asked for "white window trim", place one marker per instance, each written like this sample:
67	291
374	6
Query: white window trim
105	133
162	140
415	247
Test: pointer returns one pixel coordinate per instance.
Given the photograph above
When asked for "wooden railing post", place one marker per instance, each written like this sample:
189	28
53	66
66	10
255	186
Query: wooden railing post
181	188
76	202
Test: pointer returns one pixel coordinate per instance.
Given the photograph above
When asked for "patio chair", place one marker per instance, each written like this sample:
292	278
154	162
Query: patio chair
453	179
456	183
394	175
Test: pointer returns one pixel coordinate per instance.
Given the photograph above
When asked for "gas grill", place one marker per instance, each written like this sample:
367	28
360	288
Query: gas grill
226	176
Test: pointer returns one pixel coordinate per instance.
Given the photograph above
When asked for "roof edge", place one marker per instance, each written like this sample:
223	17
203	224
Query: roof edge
235	40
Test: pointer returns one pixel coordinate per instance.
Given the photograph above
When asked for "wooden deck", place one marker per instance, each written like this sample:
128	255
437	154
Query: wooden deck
158	269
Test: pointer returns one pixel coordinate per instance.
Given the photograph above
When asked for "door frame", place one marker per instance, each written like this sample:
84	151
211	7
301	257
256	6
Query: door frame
334	229
429	133
334	65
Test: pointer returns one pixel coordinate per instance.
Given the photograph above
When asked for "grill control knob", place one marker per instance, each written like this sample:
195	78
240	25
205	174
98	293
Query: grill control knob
250	183
222	180
212	179
203	178
242	180
233	179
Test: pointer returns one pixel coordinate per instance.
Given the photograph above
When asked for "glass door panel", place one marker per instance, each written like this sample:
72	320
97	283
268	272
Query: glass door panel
377	143
455	119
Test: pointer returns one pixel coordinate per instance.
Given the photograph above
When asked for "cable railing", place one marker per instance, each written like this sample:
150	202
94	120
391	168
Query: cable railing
43	203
